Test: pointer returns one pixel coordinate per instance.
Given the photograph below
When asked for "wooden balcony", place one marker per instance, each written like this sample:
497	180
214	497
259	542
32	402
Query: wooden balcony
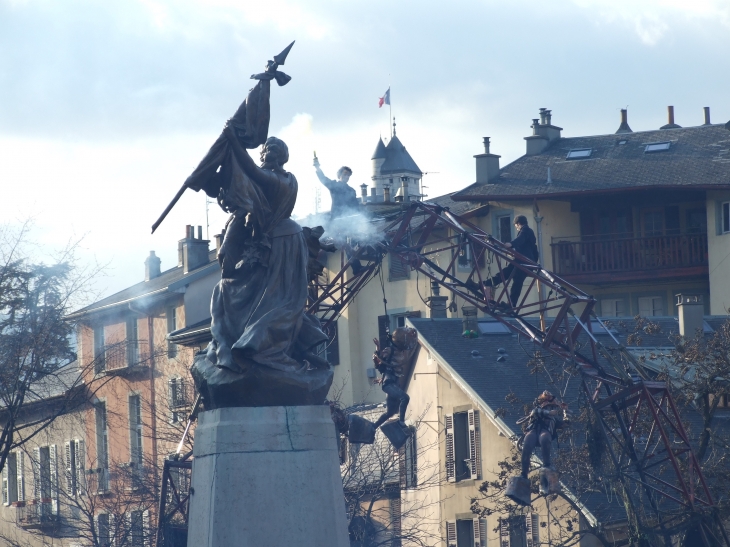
630	259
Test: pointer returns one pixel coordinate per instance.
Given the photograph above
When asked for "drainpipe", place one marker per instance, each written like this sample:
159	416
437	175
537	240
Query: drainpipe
153	403
540	289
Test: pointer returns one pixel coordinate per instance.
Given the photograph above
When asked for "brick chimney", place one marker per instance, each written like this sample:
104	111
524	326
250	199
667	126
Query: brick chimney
624	127
487	165
151	266
192	252
691	312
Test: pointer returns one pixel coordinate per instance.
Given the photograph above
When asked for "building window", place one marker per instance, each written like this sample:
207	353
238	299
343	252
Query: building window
74	457
651	306
45	478
465	260
99	350
656	147
504	228
725	217
179	399
10	478
463	446
613	307
653	223
696	221
102	447
132	342
579	153
135	429
520	531
408	462
171	327
104	529
137	528
466	533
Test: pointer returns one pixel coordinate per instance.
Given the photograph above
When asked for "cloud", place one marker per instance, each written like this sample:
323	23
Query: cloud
651	20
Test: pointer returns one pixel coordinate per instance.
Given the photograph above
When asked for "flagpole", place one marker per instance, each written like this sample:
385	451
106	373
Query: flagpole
390	110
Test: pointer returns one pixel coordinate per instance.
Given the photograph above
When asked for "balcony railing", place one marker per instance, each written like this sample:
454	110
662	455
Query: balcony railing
37	514
680	254
122	357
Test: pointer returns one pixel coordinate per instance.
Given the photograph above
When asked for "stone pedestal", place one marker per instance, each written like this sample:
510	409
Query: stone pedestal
266	476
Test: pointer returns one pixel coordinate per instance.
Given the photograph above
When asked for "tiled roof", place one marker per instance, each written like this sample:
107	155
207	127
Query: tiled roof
493	381
155	287
397	159
379	150
697	158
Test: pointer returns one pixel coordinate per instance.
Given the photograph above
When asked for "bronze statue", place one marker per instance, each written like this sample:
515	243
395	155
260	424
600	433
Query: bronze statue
263	347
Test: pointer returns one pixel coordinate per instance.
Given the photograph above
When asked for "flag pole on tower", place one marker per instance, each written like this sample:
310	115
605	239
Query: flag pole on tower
385	99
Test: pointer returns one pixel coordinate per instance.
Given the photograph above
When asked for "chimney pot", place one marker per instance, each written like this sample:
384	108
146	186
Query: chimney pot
364	191
624	127
691	311
188	227
542	115
670	115
486	145
386	194
192	253
535	123
707	115
373	190
200	232
151	266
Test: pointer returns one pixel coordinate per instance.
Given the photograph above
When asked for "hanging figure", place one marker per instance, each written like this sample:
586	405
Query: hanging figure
526	244
541	427
392	363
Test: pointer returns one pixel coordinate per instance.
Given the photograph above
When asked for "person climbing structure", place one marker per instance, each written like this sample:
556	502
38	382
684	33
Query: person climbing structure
391	362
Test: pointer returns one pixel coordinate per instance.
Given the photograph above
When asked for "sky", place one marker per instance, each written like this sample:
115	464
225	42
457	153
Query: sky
107	106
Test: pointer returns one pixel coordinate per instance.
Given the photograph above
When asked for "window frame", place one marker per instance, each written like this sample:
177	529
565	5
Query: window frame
100	356
579	153
136	449
724	217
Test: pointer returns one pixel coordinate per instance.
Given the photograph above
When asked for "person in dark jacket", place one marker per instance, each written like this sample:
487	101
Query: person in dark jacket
525	244
541	427
344	197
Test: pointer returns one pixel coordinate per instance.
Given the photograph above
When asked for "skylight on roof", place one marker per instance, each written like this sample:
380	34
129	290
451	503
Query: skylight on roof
493	327
579	153
656	147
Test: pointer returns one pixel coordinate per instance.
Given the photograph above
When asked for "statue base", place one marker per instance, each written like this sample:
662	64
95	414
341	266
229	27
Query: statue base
266	476
258	385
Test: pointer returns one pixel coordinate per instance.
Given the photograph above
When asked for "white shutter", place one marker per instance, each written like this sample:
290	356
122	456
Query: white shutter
80	466
451	533
6	494
477	532
535	527
36	464
475	451
21	476
69	468
450	460
146	532
503	533
528	530
112	530
53	463
482	533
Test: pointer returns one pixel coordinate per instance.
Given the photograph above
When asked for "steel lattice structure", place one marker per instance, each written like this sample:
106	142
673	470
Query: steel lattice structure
648	446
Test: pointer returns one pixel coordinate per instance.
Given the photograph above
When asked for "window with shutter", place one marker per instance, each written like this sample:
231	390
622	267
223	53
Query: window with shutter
102	447
80	466
103	529
504	538
172	325
36	464
132	342
395	522
6	494
450	461
475	459
99	350
532	522
408	463
20	473
398	269
53	477
69	467
528	530
146	532
482	533
135	429
477	532
451	533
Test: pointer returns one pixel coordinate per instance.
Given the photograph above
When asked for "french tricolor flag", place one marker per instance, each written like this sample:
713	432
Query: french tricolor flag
385	99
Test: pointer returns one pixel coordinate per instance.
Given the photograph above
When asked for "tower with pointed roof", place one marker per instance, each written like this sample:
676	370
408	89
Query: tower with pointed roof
393	165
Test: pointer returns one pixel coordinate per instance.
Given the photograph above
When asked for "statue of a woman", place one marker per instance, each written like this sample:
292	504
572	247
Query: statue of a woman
262	352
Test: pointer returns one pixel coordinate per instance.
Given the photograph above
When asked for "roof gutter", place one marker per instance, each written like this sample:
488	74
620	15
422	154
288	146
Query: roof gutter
83	312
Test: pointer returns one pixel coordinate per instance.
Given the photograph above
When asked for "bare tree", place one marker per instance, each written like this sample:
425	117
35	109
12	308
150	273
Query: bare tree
373	478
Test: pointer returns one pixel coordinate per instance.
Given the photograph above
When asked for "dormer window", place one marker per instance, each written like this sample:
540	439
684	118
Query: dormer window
656	147
579	154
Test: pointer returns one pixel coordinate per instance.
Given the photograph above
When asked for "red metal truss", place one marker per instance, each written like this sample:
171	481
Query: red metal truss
660	470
